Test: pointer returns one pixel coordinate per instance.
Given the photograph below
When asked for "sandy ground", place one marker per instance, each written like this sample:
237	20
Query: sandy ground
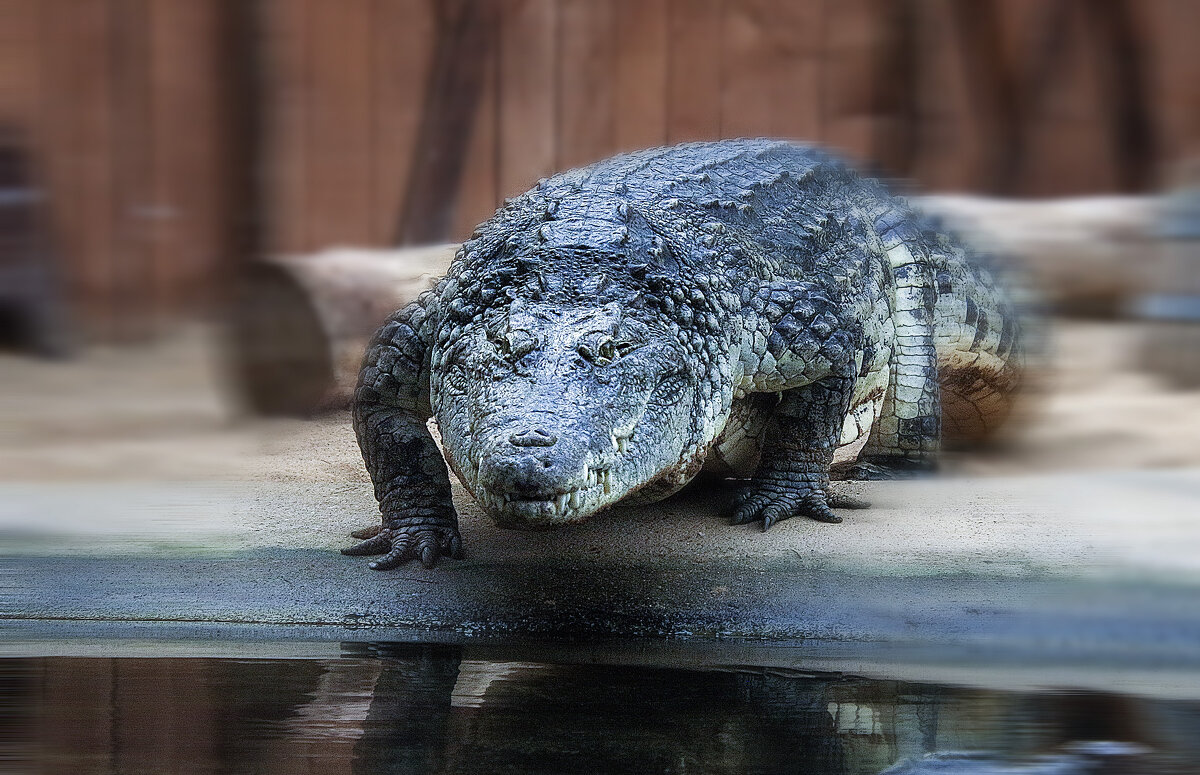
145	444
163	412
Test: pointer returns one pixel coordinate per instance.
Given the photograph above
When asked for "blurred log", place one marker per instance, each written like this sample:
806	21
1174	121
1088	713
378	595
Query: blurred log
1083	255
300	324
1171	306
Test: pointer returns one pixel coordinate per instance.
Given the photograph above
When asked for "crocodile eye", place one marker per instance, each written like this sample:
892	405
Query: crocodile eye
599	351
513	345
502	345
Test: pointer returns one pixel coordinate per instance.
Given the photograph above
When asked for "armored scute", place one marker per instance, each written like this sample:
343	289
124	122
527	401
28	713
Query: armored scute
742	306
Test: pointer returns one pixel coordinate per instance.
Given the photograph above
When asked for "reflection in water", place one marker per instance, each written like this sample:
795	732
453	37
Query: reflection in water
417	709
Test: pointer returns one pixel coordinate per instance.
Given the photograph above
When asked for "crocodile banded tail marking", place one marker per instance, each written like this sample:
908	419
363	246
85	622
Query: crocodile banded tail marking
745	306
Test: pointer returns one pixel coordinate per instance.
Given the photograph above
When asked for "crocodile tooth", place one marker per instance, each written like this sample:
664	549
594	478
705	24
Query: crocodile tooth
607	482
563	500
575	499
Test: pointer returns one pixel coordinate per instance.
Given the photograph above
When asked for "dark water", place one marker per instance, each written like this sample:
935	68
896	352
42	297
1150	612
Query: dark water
416	709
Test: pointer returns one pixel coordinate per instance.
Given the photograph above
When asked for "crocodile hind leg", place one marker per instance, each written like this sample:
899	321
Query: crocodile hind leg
793	475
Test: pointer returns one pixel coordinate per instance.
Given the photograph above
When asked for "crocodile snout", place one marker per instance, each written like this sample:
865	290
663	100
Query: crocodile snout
522	474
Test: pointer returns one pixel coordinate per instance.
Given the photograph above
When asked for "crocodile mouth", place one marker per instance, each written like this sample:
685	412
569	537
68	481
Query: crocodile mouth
549	509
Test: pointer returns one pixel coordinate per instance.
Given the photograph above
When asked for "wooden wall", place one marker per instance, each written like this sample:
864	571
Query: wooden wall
383	121
910	87
123	104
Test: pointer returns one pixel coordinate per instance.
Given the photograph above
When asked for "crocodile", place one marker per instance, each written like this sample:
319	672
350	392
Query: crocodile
743	307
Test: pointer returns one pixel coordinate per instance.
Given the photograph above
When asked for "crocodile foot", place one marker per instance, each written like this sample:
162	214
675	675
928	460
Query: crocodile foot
424	542
774	503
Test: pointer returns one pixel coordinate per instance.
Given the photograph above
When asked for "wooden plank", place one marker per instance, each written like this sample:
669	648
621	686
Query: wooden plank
695	67
286	89
60	141
794	79
1173	63
869	84
133	164
1066	149
477	196
1118	49
174	145
22	85
79	104
853	33
339	144
528	50
456	143
19	70
188	247
403	39
640	89
585	82
896	62
750	56
947	154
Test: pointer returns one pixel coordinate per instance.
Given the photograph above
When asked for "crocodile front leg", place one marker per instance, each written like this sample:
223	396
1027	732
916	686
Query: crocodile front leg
793	475
412	485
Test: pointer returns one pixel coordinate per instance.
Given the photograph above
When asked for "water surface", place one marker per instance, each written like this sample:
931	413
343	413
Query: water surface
398	708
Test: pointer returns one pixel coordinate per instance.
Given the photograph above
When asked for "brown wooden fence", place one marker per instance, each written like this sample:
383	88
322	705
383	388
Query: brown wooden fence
162	126
124	102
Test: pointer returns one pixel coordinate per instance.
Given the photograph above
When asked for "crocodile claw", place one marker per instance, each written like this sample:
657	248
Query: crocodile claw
426	543
772	506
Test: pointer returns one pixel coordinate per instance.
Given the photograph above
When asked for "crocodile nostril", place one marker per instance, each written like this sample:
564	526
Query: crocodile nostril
536	437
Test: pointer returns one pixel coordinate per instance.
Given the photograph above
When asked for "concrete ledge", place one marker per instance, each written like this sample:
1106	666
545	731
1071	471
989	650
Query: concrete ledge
1099	568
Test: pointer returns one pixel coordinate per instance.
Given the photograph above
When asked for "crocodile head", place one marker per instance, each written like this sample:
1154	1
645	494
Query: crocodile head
549	413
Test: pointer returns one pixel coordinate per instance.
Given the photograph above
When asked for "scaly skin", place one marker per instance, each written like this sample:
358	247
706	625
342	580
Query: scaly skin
745	306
